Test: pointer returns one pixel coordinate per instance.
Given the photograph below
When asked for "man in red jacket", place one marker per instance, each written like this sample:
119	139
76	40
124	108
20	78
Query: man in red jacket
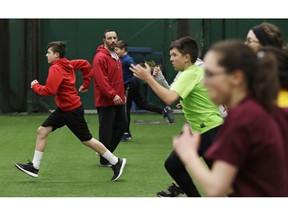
70	112
109	93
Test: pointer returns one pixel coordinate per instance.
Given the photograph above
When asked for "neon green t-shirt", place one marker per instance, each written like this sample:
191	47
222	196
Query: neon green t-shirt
200	112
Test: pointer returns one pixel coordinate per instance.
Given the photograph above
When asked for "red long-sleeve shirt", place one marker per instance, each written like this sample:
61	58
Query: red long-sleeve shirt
108	78
61	82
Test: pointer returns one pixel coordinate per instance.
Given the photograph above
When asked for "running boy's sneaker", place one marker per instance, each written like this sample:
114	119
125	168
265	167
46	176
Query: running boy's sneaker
127	136
28	169
167	113
172	191
118	168
106	165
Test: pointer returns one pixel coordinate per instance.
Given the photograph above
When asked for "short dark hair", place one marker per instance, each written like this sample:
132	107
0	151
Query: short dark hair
122	44
186	45
58	46
107	30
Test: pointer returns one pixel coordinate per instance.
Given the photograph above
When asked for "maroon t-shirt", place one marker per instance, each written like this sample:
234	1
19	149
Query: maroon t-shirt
253	141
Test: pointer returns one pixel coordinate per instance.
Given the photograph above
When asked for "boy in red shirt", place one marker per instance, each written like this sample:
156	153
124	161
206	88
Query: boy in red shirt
61	83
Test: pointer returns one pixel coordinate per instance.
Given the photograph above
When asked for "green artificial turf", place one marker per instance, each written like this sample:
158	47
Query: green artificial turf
70	169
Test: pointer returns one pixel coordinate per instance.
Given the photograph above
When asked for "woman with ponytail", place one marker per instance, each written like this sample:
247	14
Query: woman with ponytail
250	152
281	56
267	36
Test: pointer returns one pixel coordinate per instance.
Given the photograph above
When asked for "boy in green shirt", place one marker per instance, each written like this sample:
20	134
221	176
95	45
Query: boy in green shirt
200	112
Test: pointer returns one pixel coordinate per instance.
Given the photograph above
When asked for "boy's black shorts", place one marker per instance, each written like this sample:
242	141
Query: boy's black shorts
74	120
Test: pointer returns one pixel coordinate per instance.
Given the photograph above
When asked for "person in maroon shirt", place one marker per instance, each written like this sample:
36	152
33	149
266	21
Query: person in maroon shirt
61	82
250	152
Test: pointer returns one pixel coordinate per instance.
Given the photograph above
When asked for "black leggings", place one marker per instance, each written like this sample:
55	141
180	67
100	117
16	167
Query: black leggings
177	170
134	94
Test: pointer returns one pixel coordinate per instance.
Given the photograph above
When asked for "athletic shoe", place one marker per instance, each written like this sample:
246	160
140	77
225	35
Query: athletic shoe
167	113
28	168
118	168
172	191
106	165
126	137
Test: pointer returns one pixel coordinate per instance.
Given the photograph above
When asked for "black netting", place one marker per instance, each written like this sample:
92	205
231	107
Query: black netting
5	89
20	64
